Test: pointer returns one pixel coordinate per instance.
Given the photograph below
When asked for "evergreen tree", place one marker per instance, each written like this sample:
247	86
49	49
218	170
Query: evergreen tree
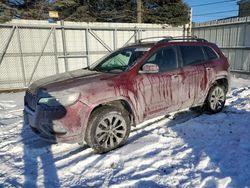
35	9
173	12
27	9
153	11
74	10
114	10
7	11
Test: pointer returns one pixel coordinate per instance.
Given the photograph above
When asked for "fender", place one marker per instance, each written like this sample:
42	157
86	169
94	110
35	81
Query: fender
111	99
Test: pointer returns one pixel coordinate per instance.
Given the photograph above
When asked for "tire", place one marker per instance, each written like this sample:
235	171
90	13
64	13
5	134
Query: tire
108	128
216	99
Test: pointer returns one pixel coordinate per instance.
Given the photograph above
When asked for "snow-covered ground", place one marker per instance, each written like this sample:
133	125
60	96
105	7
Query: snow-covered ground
185	149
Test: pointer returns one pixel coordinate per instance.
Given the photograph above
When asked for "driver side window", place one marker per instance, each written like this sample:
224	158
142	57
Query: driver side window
165	58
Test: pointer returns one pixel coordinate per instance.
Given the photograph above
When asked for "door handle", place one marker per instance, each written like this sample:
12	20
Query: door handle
208	68
175	76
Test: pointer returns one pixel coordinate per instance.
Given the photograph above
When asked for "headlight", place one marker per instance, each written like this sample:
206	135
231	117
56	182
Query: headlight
58	100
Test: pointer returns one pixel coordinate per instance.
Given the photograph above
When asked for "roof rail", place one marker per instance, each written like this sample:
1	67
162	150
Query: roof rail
163	38
169	39
181	38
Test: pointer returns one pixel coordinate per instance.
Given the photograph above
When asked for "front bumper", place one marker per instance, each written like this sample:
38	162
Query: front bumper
71	120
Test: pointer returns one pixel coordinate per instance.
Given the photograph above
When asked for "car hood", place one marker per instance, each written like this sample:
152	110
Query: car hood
68	80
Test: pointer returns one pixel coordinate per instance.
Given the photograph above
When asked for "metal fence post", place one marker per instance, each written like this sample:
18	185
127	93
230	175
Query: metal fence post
21	56
184	30
139	34
115	38
87	45
229	38
222	37
245	29
210	34
64	46
216	29
135	34
55	51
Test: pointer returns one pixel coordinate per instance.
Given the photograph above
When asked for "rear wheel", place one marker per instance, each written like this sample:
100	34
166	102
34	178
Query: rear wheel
108	129
216	99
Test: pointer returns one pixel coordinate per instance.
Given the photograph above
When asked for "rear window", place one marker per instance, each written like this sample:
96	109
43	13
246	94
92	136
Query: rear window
192	55
210	53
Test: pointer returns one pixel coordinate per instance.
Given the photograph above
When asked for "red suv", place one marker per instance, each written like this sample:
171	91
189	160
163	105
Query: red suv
99	104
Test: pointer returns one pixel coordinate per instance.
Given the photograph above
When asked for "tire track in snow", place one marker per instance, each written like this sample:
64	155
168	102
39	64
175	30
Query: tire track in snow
10	115
4	105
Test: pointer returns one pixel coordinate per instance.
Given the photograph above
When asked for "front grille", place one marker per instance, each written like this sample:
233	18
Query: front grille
31	100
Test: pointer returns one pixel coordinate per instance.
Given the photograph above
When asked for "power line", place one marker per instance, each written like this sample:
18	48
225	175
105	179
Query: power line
210	13
222	16
212	3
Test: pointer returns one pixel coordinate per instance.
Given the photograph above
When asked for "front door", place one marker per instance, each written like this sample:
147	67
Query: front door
159	92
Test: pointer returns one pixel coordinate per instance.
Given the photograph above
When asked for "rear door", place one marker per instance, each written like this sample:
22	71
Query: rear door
212	61
193	75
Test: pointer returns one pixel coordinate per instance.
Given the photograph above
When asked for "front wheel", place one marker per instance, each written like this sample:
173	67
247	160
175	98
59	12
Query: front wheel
216	99
108	128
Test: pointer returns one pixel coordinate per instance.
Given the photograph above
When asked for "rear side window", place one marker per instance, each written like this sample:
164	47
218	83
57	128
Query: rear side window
192	55
210	53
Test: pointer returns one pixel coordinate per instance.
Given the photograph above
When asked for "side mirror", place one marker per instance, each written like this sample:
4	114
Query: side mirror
149	68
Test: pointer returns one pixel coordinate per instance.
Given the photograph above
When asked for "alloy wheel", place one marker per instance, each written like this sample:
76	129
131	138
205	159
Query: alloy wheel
111	131
217	99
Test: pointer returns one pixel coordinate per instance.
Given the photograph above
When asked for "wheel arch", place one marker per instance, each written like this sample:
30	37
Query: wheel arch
223	80
121	103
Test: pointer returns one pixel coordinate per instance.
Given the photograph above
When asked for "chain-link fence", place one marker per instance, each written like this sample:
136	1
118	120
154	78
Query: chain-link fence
30	50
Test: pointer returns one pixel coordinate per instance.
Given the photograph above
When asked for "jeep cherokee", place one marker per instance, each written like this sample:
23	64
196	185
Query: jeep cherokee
100	103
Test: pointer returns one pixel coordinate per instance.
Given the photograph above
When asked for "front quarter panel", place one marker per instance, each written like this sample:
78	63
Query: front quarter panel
105	91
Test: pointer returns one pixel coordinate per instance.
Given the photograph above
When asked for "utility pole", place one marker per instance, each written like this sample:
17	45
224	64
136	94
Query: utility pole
189	31
139	11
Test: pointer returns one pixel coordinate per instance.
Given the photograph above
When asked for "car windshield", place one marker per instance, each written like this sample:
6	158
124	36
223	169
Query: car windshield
120	60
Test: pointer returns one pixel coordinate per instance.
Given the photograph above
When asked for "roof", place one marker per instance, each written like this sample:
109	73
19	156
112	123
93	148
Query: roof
144	44
243	1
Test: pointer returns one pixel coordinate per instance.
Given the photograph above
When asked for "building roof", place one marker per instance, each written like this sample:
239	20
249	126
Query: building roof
243	1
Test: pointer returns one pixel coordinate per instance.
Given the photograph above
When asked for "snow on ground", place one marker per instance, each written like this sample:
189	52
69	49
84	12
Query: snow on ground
185	149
